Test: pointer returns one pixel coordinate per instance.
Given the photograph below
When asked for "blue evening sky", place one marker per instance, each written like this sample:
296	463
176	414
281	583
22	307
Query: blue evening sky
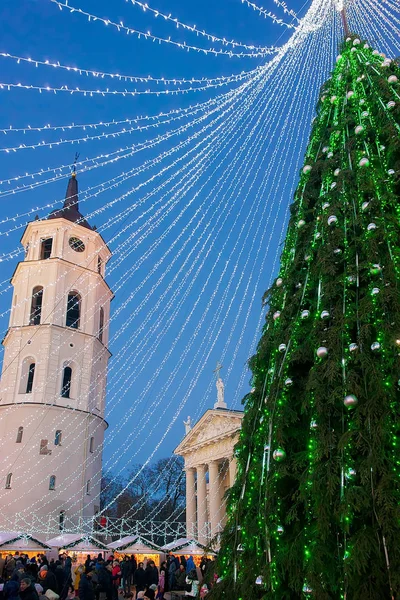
138	412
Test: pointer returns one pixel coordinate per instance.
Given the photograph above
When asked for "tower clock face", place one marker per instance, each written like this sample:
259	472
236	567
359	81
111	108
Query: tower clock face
76	244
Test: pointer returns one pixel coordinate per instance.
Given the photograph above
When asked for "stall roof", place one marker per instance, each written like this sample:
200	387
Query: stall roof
134	544
13	540
187	546
79	542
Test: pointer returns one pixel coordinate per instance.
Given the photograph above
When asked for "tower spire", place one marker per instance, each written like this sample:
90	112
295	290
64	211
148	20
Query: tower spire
71	195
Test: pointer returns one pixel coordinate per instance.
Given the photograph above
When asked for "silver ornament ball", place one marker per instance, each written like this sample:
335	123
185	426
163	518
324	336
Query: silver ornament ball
259	580
322	352
350	401
279	282
305	314
364	205
350	474
353	347
371	227
280	530
332	220
325	314
375	346
282	347
279	454
288	382
375	291
276	315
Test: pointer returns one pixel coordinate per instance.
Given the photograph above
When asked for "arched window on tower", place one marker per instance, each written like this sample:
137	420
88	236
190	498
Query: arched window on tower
19	435
66	382
52	482
27	375
29	381
46	246
73	310
99	264
36	305
101	324
61	520
8	481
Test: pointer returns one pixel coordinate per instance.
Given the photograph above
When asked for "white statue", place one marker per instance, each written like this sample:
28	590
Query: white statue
220	403
188	425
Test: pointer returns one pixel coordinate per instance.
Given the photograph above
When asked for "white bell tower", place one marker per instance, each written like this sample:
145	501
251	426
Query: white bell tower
52	388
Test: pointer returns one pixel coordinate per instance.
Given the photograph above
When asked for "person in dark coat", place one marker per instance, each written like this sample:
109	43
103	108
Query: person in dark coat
133	568
62	581
180	577
171	574
47	580
87	563
104	578
151	574
11	590
9	566
27	590
86	591
140	578
126	570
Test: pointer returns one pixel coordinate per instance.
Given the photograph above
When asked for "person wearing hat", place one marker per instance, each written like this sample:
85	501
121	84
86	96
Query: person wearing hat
11	589
149	594
47	580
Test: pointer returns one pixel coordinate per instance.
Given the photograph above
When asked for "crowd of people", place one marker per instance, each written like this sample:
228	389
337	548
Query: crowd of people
37	578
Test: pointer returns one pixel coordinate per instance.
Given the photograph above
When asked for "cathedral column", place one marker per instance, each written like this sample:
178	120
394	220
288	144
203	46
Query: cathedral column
214	497
201	504
232	471
190	503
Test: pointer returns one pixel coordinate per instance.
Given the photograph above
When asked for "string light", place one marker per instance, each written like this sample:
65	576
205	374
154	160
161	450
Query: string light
266	13
132	78
156	13
263	51
91	93
272	161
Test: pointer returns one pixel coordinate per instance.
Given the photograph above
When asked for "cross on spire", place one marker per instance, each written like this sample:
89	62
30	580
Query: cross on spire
217	370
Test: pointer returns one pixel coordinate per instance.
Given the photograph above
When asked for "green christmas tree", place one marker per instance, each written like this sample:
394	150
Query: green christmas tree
315	510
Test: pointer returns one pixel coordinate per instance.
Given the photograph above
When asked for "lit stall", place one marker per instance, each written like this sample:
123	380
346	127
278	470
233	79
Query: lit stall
137	545
23	543
78	546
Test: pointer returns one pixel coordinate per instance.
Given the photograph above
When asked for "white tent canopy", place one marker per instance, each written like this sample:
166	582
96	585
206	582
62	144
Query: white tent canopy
21	542
77	542
134	544
186	546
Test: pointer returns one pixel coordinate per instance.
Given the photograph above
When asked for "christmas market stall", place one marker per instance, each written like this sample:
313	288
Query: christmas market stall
134	544
23	543
188	547
78	546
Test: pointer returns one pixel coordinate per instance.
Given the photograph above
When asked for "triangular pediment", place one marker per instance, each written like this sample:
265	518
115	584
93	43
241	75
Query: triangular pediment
214	425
